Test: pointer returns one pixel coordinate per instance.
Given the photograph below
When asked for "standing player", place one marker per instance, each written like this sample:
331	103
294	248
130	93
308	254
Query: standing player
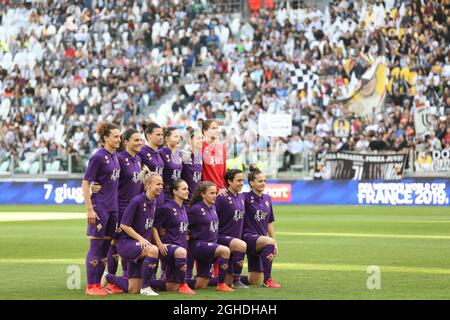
129	187
102	207
171	156
230	210
134	240
172	244
150	152
192	159
203	228
259	233
214	161
214	156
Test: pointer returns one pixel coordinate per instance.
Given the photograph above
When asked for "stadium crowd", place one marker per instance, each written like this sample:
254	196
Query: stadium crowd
64	66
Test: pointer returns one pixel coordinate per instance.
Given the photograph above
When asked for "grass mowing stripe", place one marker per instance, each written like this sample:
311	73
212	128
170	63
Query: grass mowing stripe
276	265
362	235
40	216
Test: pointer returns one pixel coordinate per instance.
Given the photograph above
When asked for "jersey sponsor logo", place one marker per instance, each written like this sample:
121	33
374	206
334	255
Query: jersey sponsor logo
135	177
176	174
183	227
279	192
214	226
115	174
238	215
148	223
260	215
159	170
197	177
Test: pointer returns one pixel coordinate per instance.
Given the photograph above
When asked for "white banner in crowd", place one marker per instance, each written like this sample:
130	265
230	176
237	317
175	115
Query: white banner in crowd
275	125
422	120
435	161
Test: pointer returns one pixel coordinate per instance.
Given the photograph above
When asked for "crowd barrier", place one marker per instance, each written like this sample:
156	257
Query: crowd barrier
414	192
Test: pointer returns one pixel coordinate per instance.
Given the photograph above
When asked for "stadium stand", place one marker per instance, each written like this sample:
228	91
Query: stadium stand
64	67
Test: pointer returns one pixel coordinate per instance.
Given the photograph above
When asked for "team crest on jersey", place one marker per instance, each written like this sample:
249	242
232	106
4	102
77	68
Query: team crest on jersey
260	215
99	227
214	226
183	227
197	176
238	215
115	174
148	223
159	170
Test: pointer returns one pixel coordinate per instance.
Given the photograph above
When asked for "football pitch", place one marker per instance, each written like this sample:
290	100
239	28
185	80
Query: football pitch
325	252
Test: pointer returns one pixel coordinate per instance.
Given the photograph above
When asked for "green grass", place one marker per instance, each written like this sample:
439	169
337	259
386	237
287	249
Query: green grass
324	252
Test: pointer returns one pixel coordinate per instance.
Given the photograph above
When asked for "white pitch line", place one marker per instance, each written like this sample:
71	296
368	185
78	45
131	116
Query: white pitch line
363	235
40	216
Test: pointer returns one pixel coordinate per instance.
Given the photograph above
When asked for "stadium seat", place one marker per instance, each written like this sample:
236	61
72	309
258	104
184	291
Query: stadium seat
4	166
5	108
34	168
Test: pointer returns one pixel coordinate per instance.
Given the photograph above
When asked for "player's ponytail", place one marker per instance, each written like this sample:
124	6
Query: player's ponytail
104	129
146	176
199	191
253	173
149	127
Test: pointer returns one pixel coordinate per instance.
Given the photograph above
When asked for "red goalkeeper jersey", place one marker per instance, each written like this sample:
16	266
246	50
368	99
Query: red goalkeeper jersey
214	164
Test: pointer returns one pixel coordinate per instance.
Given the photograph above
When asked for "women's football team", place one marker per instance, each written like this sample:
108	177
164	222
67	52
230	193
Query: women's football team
160	206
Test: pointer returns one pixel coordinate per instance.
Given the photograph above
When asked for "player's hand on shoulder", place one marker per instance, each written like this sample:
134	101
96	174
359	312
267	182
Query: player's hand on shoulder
95	187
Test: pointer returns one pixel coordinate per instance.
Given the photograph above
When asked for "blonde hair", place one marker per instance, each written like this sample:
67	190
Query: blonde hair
146	176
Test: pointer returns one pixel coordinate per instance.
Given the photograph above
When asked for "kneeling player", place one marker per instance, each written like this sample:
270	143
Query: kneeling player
230	210
133	242
172	217
258	232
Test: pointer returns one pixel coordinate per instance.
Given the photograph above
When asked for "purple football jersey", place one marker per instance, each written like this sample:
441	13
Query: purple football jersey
174	220
172	167
104	169
192	172
203	223
152	159
129	184
230	210
258	213
139	215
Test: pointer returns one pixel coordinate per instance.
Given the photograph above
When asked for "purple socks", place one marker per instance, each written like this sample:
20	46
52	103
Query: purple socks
266	258
113	259
223	267
96	259
148	270
237	259
180	265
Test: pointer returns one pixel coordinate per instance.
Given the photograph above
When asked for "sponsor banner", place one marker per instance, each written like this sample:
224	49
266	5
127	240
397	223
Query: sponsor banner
422	120
434	161
275	125
350	165
413	192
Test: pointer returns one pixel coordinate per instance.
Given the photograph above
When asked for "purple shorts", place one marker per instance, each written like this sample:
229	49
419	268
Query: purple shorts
168	261
106	226
253	258
204	254
129	250
225	240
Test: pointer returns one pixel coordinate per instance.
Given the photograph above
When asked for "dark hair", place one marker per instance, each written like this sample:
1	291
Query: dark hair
149	127
254	171
230	174
206	124
175	186
201	188
168	131
190	132
126	135
104	129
